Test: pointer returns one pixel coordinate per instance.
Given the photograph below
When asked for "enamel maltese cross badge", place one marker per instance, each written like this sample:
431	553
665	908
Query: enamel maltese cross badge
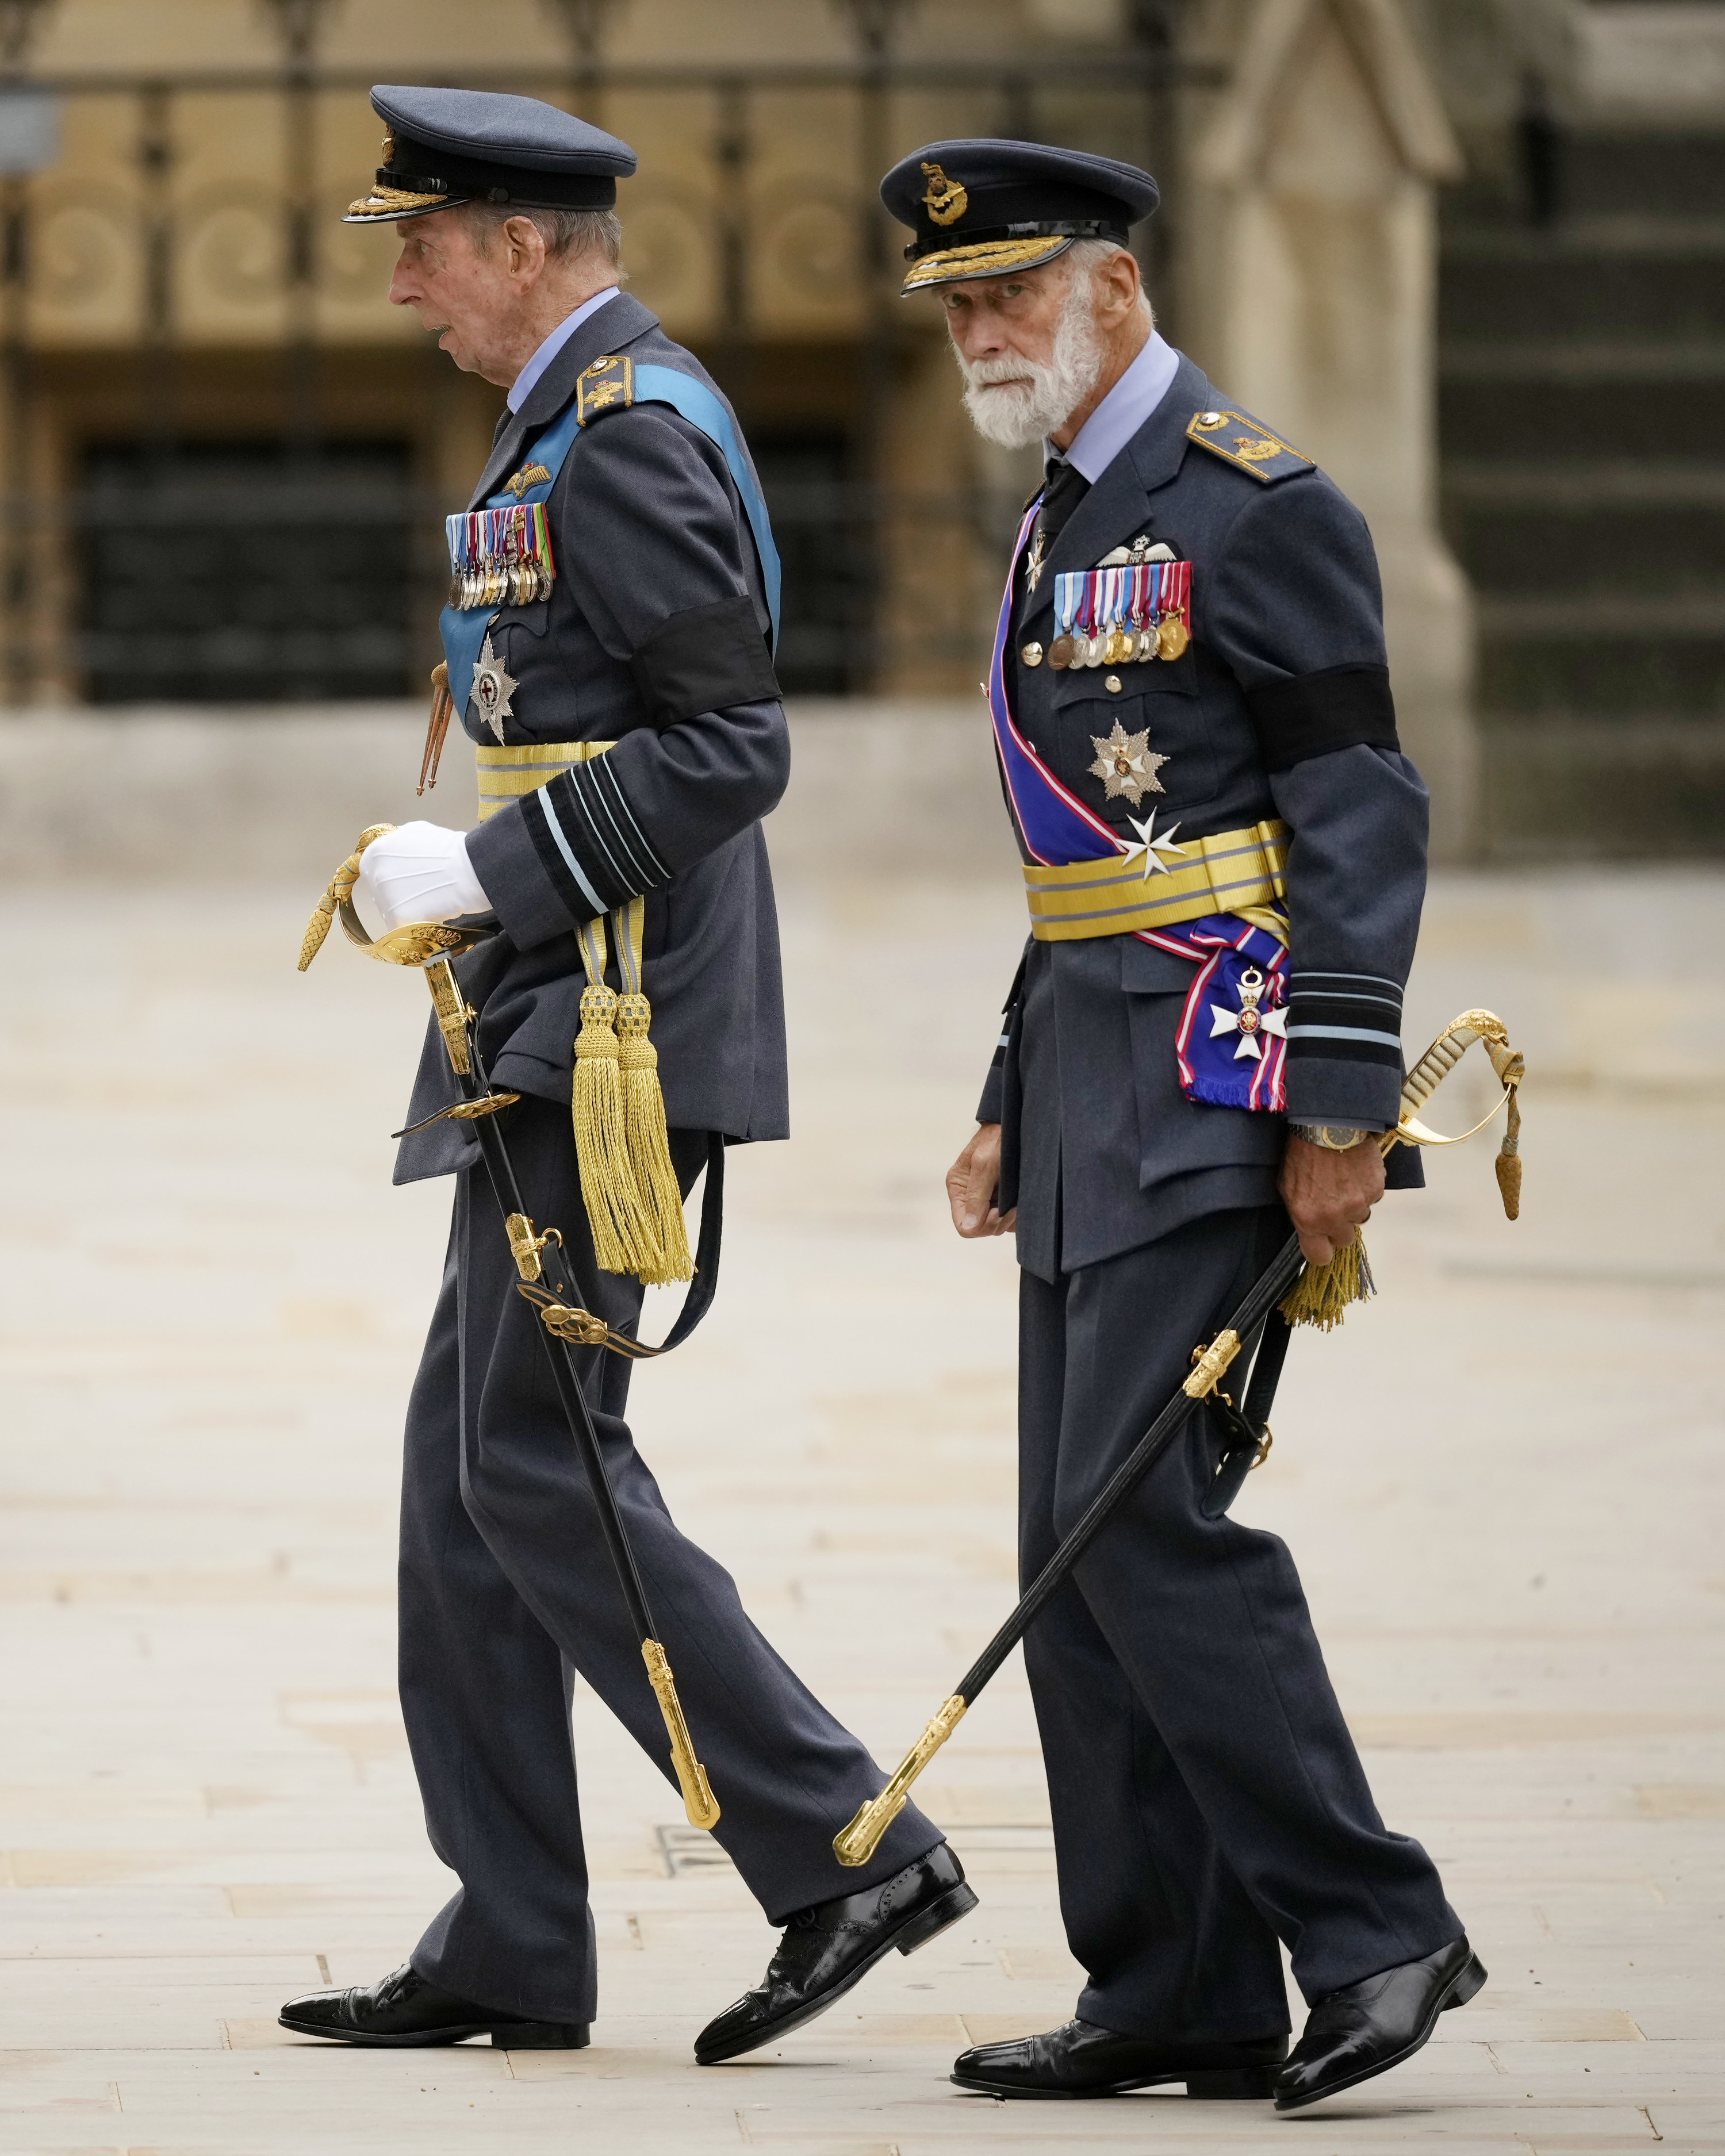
1248	1021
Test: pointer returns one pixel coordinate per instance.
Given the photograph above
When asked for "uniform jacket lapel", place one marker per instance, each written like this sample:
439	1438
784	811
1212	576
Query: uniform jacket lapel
616	325
1113	511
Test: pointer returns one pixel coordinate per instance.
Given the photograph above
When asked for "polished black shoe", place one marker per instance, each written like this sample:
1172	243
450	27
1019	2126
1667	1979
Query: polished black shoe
1082	2059
404	2009
1376	2024
826	1950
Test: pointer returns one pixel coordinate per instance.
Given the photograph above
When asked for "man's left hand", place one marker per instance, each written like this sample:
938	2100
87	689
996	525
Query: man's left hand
420	872
1330	1195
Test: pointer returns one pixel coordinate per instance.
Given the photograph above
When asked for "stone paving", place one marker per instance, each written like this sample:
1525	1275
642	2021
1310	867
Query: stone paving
1501	1481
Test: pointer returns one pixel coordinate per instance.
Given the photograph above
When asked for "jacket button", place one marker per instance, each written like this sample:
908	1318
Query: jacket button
1031	655
1112	684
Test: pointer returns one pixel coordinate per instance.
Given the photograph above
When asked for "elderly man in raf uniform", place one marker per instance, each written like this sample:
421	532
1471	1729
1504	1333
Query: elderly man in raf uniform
615	589
1224	855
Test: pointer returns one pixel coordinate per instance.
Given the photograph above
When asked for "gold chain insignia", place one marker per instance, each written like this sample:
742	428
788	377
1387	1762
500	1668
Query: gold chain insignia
947	200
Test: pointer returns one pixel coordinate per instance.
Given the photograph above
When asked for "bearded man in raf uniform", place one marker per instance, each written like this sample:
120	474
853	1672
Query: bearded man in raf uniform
613	591
1224	858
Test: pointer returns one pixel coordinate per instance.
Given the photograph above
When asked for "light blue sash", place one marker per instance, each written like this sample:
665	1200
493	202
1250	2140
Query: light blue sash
464	628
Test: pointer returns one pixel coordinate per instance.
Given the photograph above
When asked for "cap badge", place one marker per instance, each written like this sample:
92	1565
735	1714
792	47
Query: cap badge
388	145
947	200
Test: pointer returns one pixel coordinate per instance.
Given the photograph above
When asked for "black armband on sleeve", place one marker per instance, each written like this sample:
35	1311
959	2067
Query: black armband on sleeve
706	658
1341	708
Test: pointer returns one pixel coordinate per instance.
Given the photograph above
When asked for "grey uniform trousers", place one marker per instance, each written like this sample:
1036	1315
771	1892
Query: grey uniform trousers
1207	1798
506	1592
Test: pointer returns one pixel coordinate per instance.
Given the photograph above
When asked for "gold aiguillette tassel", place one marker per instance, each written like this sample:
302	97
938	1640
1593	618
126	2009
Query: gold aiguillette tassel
859	1841
653	1174
622	1227
698	1800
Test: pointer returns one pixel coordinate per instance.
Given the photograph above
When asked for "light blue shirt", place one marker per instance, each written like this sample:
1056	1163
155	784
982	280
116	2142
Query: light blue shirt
1125	409
530	374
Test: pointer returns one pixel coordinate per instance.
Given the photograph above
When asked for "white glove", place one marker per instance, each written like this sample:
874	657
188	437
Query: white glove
420	872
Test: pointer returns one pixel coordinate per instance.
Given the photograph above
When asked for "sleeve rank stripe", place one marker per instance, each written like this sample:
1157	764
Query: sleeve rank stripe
1343	1033
645	844
568	852
602	862
611	833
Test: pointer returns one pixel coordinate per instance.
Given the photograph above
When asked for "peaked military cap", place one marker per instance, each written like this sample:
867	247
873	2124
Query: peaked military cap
982	207
444	147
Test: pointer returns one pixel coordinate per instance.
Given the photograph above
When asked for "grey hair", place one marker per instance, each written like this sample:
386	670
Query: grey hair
1087	256
567	233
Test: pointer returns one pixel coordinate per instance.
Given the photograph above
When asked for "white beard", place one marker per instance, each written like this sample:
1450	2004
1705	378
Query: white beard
1042	393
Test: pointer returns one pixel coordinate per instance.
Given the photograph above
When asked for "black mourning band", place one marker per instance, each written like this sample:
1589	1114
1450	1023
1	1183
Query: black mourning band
501	183
706	659
1344	707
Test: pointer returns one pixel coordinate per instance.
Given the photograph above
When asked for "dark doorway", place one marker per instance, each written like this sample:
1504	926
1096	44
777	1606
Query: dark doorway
820	524
246	572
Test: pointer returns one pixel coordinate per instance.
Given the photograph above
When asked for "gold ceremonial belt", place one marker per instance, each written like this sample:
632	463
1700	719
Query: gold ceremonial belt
510	774
1230	873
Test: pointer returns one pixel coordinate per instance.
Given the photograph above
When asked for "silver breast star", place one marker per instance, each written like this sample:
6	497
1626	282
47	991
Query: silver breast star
492	689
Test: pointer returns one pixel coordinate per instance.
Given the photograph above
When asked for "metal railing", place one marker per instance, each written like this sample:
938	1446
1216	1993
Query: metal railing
144	244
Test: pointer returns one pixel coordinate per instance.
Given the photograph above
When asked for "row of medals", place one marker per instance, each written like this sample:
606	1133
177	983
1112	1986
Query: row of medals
497	583
1118	647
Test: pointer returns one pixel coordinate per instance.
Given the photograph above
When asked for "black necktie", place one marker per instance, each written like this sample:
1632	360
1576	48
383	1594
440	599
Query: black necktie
1065	488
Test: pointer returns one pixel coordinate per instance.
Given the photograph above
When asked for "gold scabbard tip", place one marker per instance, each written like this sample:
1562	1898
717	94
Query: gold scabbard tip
700	1805
857	1842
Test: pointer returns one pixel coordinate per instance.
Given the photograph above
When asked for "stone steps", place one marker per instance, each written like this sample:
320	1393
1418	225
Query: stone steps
1581	400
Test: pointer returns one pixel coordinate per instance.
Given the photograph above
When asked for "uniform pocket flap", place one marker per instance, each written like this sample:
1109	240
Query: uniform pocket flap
1146	970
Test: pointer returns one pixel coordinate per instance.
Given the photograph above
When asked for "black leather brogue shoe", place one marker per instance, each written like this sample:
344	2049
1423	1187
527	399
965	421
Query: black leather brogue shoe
1375	2024
404	2009
825	1950
1082	2059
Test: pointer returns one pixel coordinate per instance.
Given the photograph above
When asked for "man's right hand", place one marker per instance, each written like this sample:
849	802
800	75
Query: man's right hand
972	1181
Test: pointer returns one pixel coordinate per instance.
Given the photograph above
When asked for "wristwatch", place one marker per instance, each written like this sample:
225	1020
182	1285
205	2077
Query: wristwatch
1331	1136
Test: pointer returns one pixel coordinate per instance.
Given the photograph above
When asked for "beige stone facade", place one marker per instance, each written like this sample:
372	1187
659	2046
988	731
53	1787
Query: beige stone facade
182	285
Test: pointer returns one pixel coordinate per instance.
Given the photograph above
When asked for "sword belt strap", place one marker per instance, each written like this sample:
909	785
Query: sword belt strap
1231	872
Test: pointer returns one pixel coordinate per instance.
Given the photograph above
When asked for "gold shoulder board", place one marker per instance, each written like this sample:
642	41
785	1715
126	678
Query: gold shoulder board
608	385
1243	442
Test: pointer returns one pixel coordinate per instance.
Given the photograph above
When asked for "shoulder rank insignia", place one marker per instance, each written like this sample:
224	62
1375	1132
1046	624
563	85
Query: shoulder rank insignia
1243	442
608	385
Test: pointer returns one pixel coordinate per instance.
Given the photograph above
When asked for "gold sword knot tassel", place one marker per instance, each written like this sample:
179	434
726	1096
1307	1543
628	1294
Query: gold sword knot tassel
341	890
859	1841
698	1800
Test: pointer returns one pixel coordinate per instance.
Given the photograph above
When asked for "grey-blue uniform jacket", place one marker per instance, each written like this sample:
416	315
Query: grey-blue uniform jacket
654	637
1279	708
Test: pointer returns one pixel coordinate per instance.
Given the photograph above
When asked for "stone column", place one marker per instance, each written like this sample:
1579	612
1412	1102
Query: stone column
1311	280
